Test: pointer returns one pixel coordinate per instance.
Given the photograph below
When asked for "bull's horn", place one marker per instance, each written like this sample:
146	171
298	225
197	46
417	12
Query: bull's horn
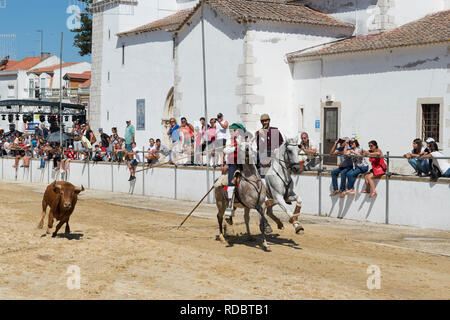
79	189
57	186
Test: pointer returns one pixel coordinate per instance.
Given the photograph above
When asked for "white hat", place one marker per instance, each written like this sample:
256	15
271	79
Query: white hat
430	140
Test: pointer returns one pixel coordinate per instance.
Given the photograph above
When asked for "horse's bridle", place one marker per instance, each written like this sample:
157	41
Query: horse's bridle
289	166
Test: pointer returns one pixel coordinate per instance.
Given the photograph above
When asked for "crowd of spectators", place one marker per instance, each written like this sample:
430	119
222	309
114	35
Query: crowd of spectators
202	143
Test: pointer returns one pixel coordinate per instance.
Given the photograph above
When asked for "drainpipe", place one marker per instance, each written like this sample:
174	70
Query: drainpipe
205	88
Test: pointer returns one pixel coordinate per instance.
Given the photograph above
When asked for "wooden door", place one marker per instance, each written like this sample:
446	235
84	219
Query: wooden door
330	135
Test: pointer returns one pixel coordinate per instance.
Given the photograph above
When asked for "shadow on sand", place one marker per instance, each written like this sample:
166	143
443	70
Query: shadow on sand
70	236
254	241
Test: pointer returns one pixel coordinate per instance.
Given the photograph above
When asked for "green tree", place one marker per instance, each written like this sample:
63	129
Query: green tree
83	37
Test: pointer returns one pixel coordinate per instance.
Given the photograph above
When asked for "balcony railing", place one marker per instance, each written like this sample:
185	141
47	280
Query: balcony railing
54	93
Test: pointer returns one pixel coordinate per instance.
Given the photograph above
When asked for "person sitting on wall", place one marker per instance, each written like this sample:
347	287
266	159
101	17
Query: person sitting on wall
346	164
151	156
134	159
360	165
97	154
310	149
442	165
378	167
68	155
160	150
421	166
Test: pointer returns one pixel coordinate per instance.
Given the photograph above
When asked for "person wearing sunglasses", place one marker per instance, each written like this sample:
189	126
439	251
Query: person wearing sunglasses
378	167
174	135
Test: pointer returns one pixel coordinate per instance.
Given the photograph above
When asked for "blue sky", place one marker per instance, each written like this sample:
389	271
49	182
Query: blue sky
24	17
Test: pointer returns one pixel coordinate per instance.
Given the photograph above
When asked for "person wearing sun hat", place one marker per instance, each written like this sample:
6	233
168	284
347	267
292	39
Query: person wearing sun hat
231	151
268	139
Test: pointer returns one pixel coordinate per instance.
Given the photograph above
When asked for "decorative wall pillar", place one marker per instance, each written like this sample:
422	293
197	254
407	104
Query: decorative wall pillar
246	90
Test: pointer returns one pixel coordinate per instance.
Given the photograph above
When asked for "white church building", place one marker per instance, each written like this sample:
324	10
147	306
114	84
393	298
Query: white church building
377	69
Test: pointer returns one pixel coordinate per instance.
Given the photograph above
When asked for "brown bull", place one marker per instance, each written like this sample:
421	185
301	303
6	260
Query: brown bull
62	197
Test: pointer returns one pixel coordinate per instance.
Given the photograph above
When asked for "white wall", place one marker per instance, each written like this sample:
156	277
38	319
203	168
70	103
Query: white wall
50	61
406	11
379	92
147	11
270	43
5	81
406	198
75	68
224	53
147	74
364	13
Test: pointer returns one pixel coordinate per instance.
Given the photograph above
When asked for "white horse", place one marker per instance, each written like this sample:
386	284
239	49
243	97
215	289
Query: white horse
280	186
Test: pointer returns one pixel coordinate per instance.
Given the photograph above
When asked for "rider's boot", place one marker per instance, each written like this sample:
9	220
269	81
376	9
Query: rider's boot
229	210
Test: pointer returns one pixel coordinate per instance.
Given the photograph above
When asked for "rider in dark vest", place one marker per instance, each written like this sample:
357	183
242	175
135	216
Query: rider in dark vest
267	140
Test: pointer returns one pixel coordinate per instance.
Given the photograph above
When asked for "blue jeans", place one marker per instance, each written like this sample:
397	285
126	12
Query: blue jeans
231	170
42	162
352	174
447	173
334	176
421	166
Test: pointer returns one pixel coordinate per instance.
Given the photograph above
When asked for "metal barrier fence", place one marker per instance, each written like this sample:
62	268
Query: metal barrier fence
320	171
388	173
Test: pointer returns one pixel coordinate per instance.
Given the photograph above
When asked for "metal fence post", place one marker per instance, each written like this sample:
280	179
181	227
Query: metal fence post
2	167
30	169
112	176
48	171
89	173
320	179
143	172
175	184
387	189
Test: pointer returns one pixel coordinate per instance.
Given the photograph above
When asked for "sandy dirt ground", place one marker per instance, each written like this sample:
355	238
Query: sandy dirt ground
129	247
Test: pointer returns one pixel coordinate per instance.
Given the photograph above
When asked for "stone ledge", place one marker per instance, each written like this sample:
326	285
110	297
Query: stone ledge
304	173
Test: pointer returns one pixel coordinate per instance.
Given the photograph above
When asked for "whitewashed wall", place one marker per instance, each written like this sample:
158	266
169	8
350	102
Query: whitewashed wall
224	54
406	11
270	42
5	81
414	202
365	14
75	68
379	92
147	74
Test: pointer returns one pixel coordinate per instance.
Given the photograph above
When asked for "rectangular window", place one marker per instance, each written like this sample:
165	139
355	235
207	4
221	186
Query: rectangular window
109	76
430	121
11	91
301	121
140	114
109	34
123	54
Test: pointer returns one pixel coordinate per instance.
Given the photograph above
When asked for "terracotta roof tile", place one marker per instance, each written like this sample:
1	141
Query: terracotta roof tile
433	28
78	76
23	64
246	11
270	10
86	84
165	24
52	68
